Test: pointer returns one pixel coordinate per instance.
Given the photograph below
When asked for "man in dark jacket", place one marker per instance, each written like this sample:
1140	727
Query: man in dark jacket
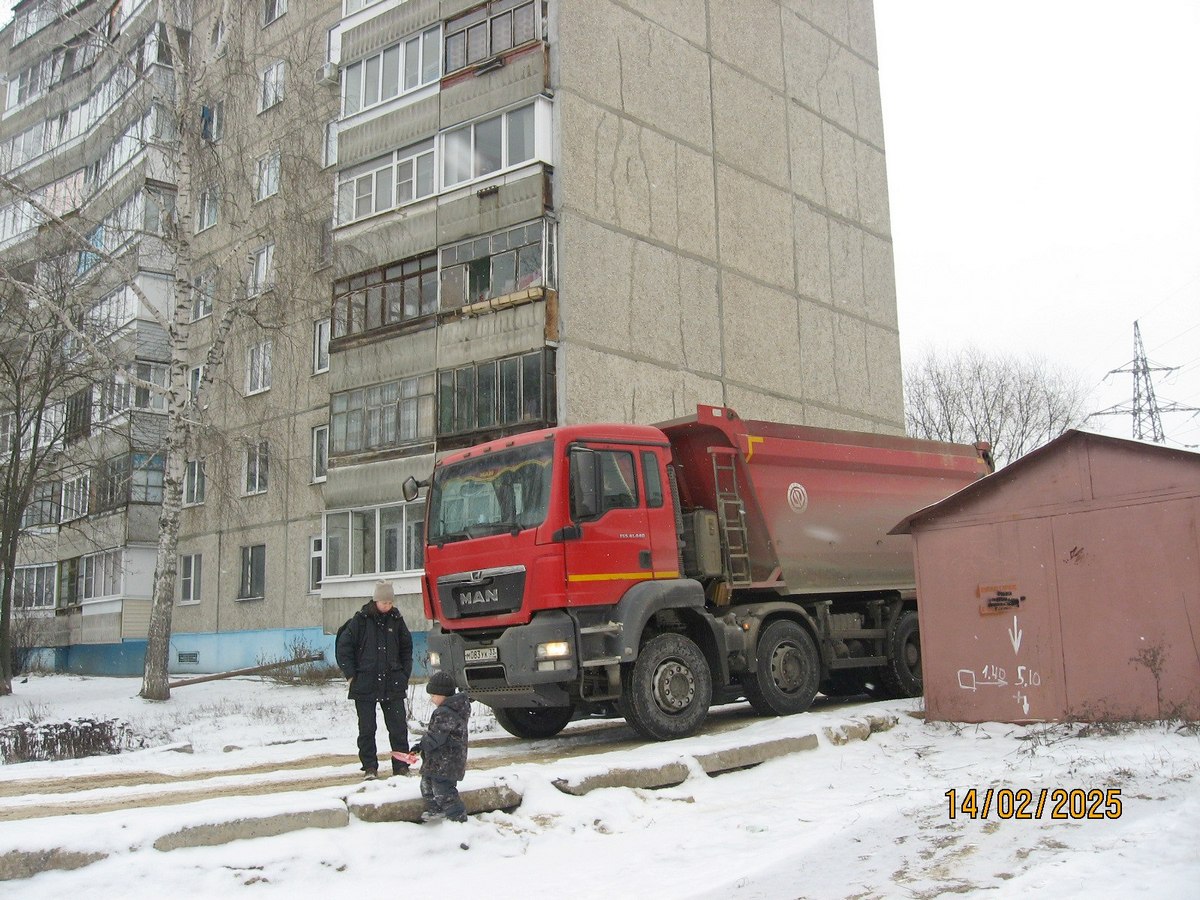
374	652
444	751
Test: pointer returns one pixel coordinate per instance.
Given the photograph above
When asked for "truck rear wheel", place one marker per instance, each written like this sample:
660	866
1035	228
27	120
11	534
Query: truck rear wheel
901	675
788	672
666	692
534	722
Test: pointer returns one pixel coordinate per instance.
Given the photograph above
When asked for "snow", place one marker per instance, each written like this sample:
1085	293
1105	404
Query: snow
867	819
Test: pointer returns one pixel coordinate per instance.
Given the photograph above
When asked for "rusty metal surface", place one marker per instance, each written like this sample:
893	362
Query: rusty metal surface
1069	589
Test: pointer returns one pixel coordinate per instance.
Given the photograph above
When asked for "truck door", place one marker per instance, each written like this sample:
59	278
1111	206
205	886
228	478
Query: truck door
613	551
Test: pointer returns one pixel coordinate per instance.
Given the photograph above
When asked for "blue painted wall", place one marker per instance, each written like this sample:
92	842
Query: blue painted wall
216	652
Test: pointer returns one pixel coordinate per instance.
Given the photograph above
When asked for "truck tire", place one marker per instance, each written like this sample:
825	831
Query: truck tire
788	672
900	676
530	722
666	691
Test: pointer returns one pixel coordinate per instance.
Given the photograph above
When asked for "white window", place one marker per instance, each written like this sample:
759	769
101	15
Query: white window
193	483
262	270
256	468
195	381
403	67
212	121
316	564
386	182
204	289
206	208
33	587
258	368
100	575
190	567
321	346
488	146
273	9
271	88
267	180
75	498
375	540
331	144
320	452
253	581
149	392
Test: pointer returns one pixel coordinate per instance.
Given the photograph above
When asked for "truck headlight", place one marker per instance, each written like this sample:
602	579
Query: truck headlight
553	650
435	659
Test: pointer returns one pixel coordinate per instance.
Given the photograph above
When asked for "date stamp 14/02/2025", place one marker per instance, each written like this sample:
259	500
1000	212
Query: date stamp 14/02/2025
1025	803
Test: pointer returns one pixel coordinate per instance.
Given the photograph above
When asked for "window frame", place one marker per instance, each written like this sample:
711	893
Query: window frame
256	469
194	482
272	85
204	292
267	175
322	331
278	7
484	18
262	270
452	150
43	580
320	453
208	206
258	368
372	95
253	562
75	496
316	563
409	531
191	578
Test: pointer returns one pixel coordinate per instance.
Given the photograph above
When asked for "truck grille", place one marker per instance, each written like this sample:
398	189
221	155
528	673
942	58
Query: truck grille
483	592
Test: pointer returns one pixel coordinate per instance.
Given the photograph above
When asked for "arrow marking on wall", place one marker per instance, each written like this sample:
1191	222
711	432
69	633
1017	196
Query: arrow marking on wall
1014	635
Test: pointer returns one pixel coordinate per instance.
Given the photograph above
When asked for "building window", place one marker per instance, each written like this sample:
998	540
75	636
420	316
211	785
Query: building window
403	67
33	587
387	182
204	290
206	210
193	483
256	468
42	509
253	581
483	268
488	146
75	498
190	567
267	176
488	31
99	575
375	540
146	478
272	10
316	564
403	292
150	390
195	380
258	368
112	483
499	393
212	121
320	452
383	415
271	86
78	424
262	270
321	346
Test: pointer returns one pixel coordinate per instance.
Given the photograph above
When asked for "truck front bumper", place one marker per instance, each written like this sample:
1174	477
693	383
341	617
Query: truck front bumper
504	670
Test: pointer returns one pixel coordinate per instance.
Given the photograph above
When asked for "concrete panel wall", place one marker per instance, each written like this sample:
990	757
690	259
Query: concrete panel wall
743	142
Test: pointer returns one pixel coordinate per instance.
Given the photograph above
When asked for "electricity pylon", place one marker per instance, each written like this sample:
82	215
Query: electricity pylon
1145	410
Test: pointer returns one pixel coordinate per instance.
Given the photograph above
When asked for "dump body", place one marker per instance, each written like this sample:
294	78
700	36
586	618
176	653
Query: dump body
819	502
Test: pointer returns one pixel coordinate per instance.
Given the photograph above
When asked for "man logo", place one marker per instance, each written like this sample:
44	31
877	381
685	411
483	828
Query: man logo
475	598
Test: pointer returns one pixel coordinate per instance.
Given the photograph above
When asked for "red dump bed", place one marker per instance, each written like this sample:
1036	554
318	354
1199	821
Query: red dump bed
819	502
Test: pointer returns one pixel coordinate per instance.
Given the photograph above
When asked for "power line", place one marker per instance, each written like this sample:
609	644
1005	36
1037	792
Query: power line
1144	407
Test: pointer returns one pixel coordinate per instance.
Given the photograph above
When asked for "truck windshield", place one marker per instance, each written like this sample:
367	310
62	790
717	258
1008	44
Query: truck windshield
504	491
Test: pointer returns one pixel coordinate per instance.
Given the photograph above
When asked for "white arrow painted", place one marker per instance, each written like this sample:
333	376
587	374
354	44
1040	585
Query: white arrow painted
1014	635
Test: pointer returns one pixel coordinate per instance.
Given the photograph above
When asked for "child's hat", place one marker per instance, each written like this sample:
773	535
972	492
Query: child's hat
441	683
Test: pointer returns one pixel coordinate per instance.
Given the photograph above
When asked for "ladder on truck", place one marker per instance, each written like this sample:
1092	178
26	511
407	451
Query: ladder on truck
731	516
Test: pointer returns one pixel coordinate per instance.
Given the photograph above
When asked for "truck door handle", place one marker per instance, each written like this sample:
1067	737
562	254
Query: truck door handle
644	559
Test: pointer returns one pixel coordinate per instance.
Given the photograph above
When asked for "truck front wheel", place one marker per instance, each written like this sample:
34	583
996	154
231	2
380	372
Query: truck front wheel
785	680
529	722
901	675
666	692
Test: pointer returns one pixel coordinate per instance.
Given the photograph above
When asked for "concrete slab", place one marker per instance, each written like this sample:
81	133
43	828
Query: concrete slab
210	835
408	809
648	777
743	757
16	864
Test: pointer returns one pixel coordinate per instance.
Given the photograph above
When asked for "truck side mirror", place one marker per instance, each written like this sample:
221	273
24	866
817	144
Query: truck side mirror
584	497
410	488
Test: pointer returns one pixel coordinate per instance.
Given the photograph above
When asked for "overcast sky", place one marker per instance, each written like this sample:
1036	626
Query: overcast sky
1044	171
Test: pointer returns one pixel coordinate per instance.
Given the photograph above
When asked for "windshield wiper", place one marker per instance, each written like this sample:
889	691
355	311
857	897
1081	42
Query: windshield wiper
450	537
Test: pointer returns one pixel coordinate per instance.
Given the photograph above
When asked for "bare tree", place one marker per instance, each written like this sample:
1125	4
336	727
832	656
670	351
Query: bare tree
1015	404
201	86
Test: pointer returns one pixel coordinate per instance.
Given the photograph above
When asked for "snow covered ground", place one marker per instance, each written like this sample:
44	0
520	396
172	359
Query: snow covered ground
867	819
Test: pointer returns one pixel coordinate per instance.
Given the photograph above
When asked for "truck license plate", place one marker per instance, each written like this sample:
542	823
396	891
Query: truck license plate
482	654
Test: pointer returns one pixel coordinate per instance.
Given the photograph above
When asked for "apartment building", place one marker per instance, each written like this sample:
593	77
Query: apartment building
594	211
460	220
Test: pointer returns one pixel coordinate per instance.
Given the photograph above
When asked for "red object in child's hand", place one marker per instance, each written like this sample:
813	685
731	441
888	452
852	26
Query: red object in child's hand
410	759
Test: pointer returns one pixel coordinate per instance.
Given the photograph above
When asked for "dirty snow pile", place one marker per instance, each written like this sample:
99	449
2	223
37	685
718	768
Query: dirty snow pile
865	818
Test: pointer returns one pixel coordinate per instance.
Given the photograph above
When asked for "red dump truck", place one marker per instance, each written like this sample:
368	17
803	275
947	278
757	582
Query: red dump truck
652	571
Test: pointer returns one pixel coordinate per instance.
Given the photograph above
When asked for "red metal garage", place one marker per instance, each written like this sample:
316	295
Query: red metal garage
1065	586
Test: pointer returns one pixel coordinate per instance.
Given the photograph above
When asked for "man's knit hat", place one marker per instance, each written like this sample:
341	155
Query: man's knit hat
384	592
441	683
